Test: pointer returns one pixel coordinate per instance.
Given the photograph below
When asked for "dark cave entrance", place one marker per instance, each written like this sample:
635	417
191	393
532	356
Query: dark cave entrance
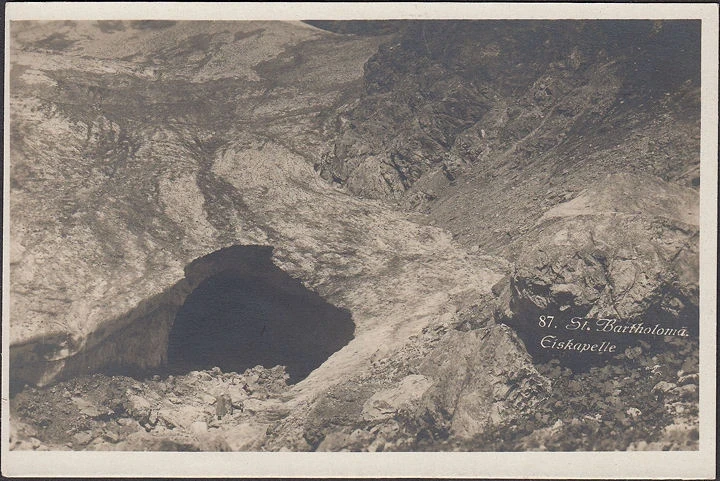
252	313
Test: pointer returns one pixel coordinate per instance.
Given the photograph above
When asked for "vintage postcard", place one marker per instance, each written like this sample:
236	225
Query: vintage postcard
360	240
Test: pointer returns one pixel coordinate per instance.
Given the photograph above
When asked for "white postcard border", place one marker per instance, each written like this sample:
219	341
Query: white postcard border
695	464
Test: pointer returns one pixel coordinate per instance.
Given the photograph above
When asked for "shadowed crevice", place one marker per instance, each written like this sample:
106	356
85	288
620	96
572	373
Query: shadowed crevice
239	318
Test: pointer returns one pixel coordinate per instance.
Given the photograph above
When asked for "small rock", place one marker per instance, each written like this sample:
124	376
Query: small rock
656	369
663	386
207	398
689	379
678	408
139	406
153	418
239	405
334	441
198	428
638	446
246	436
687	391
690	366
110	436
377	445
125	421
633	352
86	407
170	419
82	438
633	412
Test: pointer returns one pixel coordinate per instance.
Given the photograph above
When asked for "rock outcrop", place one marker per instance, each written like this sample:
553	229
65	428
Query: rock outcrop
625	248
500	122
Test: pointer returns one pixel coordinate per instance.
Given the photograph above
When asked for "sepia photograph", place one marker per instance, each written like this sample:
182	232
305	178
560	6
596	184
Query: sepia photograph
401	234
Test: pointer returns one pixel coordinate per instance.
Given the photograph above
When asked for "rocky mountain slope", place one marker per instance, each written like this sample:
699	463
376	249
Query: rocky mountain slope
402	194
546	143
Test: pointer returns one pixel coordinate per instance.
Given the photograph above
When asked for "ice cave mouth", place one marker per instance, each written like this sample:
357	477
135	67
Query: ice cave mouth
233	309
253	313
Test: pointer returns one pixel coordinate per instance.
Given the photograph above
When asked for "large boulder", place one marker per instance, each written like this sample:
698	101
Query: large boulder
626	248
481	378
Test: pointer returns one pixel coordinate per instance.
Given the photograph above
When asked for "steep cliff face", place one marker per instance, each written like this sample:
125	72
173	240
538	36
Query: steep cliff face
499	122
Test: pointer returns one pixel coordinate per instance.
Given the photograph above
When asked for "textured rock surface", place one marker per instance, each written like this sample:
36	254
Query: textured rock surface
147	157
189	189
499	123
139	149
626	248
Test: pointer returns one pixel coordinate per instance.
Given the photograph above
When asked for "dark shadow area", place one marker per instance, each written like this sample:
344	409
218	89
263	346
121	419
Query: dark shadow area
237	319
545	344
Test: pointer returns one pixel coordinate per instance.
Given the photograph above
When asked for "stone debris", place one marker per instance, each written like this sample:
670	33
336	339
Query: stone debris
663	387
633	412
385	404
86	407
